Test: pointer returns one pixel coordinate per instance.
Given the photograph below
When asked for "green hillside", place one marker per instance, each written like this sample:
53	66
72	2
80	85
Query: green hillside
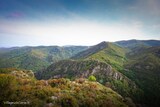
144	66
104	73
105	52
21	86
138	65
36	58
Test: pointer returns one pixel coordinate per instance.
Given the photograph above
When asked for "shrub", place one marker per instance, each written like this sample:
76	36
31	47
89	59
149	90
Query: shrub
57	82
92	78
7	86
68	101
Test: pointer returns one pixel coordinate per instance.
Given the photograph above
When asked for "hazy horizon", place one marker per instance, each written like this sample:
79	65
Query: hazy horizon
68	45
77	22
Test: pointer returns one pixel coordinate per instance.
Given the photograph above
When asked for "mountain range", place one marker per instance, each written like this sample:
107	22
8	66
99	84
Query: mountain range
35	58
130	68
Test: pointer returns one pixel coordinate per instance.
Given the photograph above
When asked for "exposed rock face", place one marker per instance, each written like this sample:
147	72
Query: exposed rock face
107	71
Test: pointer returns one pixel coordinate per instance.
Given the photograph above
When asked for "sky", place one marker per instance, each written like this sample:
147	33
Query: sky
77	22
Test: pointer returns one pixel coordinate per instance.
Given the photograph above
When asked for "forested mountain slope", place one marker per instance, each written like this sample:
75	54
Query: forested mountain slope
36	58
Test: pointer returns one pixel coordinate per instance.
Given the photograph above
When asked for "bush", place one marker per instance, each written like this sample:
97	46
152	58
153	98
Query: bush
7	87
68	101
92	78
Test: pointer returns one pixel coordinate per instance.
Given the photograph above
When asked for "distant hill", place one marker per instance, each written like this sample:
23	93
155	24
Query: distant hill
36	58
92	50
134	42
106	52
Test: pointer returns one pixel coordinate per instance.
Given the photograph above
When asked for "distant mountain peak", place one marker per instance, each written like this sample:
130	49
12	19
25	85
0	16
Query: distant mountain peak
95	49
91	50
102	45
103	42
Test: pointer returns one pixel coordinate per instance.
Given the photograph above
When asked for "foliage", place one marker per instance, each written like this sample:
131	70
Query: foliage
143	65
7	87
57	92
36	58
92	78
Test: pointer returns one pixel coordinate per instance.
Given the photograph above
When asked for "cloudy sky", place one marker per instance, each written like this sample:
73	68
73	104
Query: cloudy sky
77	22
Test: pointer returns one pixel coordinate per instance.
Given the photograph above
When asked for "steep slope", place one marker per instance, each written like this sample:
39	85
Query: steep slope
19	87
105	52
91	50
36	58
144	66
73	69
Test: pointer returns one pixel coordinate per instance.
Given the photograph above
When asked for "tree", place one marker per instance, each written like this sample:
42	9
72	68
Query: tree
92	78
